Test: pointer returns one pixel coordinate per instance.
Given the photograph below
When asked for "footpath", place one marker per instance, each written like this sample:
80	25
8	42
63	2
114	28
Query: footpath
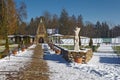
36	68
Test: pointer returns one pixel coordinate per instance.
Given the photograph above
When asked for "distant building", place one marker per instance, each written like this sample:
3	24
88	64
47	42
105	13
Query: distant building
52	31
41	32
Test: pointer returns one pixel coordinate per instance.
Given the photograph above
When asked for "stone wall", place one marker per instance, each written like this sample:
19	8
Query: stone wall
71	55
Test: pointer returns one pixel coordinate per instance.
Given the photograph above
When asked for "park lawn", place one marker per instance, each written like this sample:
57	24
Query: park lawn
2	48
12	46
71	47
117	49
94	48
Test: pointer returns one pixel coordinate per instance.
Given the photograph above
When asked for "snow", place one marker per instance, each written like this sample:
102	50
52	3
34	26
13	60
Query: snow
15	63
102	66
105	48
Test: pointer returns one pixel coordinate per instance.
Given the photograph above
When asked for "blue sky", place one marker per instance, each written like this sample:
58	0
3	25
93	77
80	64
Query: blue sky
91	10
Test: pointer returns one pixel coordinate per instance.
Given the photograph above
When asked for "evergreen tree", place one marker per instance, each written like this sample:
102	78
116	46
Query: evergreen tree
90	42
80	24
47	17
89	30
104	30
71	25
64	22
98	29
54	22
115	31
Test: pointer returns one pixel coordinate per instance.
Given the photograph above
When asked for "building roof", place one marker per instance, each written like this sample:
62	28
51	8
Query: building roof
57	35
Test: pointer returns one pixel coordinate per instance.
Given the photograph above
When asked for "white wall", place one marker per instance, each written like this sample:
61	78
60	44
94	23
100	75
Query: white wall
85	41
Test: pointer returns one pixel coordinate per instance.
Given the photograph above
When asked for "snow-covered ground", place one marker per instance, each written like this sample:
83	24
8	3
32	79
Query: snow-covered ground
15	63
105	48
102	66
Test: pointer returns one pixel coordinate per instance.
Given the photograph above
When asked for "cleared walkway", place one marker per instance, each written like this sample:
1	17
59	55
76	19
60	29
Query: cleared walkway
105	48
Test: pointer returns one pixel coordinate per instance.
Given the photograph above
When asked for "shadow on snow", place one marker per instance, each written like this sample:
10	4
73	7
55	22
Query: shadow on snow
54	57
110	60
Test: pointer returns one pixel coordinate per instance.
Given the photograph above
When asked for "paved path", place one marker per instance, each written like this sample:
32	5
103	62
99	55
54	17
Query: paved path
37	69
105	54
105	48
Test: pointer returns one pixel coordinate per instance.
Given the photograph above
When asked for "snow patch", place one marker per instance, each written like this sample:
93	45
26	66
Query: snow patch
95	69
15	63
